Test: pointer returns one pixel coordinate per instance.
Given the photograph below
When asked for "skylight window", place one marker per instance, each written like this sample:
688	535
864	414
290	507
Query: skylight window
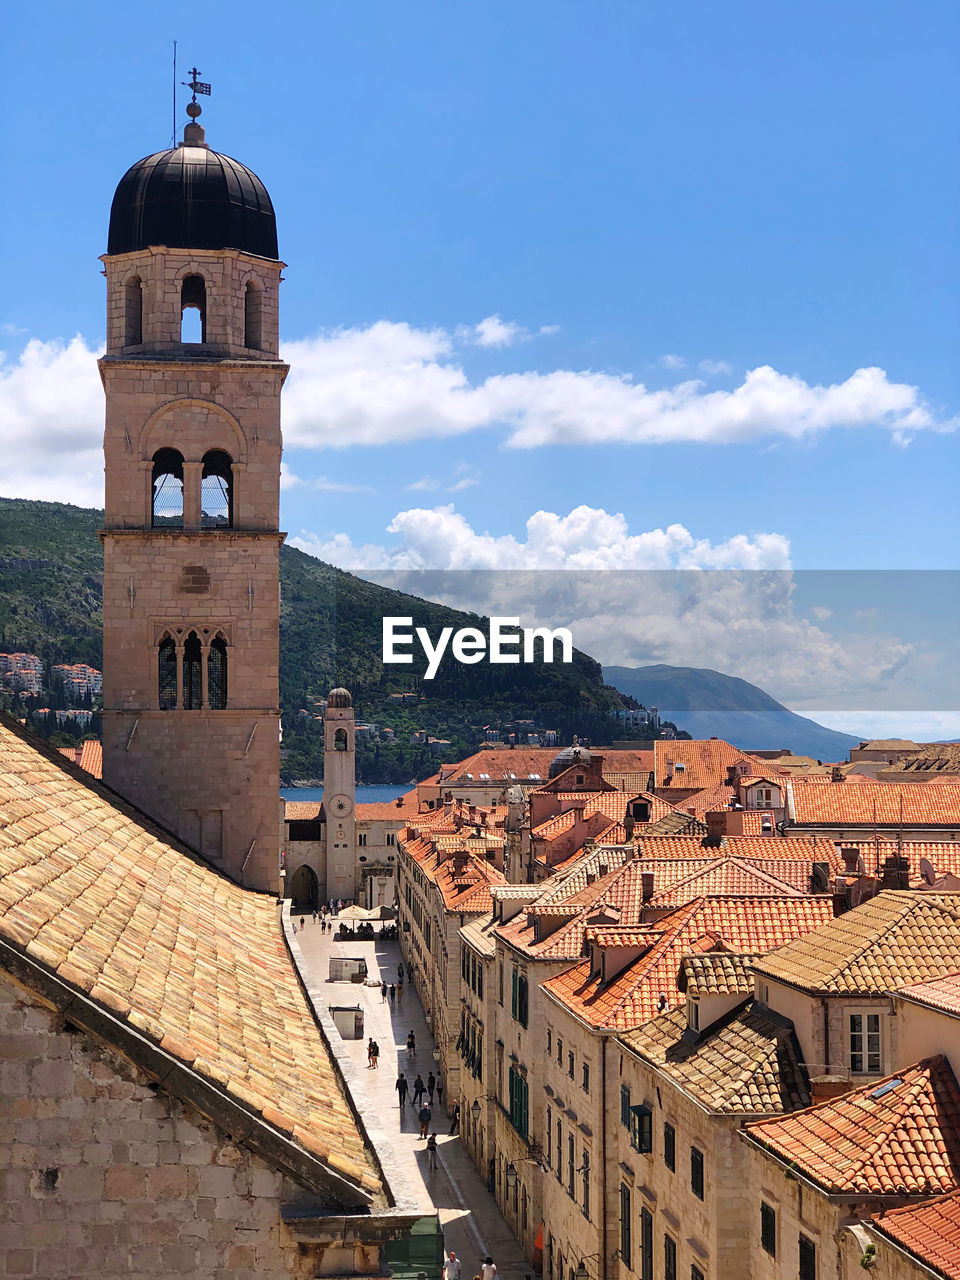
887	1087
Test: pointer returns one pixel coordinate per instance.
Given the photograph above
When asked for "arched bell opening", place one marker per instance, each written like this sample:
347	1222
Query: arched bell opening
216	491
167	489
193	309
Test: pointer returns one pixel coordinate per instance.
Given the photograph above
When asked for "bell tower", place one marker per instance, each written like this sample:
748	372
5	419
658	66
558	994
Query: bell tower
339	794
191	537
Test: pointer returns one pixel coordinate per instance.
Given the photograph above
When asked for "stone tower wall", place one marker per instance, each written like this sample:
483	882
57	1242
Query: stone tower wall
210	775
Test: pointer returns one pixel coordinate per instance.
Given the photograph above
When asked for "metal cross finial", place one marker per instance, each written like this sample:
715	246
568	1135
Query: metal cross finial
198	86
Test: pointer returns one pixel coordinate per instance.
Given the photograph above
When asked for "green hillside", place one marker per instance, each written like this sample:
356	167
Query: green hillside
330	634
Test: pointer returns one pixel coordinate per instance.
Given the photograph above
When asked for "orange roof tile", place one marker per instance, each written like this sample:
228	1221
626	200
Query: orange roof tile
725	875
939	993
736	924
705	763
896	938
895	1136
885	804
929	1231
302	810
404	807
91	758
90	889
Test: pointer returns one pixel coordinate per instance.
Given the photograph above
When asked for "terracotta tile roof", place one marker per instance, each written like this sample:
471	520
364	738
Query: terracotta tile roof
736	924
302	810
939	993
676	823
725	875
465	881
929	1231
898	937
631	780
571	877
505	764
405	807
705	763
88	755
888	803
746	1064
90	889
943	855
896	1136
717	973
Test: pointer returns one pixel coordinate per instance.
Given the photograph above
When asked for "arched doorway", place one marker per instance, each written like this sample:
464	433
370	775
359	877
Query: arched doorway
304	889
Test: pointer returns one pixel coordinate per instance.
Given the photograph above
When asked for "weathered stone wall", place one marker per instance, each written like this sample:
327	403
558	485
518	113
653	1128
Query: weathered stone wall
101	1176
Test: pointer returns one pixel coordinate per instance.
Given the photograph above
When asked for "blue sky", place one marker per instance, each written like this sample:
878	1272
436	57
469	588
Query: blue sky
645	192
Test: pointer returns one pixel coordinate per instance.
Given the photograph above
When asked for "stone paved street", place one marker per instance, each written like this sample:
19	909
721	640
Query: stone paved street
472	1224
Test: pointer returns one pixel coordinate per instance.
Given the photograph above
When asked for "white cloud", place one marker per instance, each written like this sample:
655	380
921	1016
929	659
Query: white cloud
393	383
821	612
287	479
587	538
714	368
672	362
494	332
51	423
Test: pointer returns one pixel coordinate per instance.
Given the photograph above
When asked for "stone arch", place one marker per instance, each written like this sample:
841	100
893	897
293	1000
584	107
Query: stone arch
304	889
156	433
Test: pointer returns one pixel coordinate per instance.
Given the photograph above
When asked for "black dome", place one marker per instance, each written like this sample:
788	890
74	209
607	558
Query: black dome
192	198
567	758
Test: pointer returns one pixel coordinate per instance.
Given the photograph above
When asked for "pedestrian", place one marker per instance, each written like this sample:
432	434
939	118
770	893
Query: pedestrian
424	1115
431	1085
455	1120
439	1091
383	993
399	972
370	1052
419	1089
376	1055
399	994
401	1088
411	1045
452	1267
393	994
432	1152
489	1269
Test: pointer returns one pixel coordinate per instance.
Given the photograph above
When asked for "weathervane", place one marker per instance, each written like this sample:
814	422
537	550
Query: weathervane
198	86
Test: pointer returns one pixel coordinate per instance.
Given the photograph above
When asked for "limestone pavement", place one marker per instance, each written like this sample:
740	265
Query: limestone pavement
472	1225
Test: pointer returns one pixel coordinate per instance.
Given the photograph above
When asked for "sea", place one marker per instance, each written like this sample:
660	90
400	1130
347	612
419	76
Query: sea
364	794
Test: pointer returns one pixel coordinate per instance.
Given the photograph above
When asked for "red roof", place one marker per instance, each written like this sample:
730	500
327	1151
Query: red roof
930	1231
939	993
705	763
895	1136
756	924
889	803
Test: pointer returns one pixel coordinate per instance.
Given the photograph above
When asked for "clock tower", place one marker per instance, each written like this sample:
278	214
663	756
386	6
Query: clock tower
339	794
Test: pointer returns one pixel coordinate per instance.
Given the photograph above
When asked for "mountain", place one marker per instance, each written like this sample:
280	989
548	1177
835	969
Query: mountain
51	567
709	705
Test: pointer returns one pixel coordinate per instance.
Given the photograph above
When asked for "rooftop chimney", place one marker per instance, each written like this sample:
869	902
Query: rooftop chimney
646	882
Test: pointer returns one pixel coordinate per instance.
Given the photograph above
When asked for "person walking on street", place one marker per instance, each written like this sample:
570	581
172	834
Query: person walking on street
424	1115
452	1267
383	993
393	994
439	1091
370	1055
411	1046
489	1269
375	1055
399	994
419	1089
401	1088
432	1152
399	972
455	1119
431	1085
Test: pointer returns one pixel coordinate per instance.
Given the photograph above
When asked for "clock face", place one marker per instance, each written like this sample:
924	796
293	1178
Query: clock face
341	806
